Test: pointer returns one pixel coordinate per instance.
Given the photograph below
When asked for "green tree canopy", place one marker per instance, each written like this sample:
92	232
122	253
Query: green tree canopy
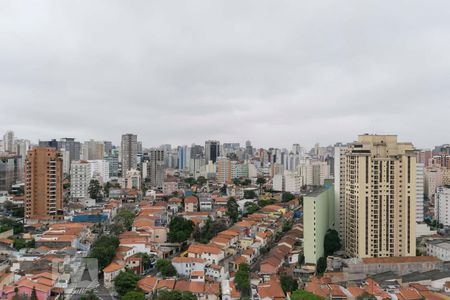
286	197
180	229
250	194
175	295
321	266
134	295
166	268
242	279
95	190
332	242
304	295
125	282
288	283
201	180
232	209
209	230
251	207
104	250
124	219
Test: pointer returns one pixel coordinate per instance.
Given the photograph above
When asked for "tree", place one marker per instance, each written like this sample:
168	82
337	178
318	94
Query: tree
90	295
134	295
304	295
180	229
288	284
106	189
321	265
223	189
332	242
286	197
175	295
190	181
125	218
260	181
94	190
251	207
232	209
33	295
242	279
104	250
286	226
266	202
209	230
250	194
166	268
201	180
125	282
366	296
20	243
301	259
246	182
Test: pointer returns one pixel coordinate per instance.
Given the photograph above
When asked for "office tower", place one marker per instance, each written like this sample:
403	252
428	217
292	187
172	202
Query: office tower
183	157
108	147
65	155
377	196
248	149
212	151
223	170
11	170
93	150
22	147
9	142
156	168
419	191
43	184
443	205
80	177
70	145
51	143
318	218
129	151
113	161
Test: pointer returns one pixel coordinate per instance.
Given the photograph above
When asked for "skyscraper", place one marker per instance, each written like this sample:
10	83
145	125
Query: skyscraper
129	150
11	170
9	142
212	151
72	146
156	168
377	197
43	184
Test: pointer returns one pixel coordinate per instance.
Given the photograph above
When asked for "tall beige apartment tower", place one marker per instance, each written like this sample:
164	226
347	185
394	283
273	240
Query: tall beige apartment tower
375	187
128	151
43	184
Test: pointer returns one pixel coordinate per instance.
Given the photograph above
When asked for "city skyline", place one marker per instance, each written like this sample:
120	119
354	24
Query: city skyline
274	74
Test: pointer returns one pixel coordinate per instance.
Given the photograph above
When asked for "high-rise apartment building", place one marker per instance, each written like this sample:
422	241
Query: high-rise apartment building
9	142
93	150
443	205
212	151
43	184
318	218
224	171
80	177
156	168
377	197
420	192
129	151
11	170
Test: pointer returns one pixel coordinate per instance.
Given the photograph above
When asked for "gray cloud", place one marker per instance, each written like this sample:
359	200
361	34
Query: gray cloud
275	72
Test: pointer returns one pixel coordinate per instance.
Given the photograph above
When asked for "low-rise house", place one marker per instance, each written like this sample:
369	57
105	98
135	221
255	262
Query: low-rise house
111	271
190	204
271	290
185	265
148	285
210	253
174	205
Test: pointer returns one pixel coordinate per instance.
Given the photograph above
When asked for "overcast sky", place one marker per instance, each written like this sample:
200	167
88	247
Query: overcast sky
274	72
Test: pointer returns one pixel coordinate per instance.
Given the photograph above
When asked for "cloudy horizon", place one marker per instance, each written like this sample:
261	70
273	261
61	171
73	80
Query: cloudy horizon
272	72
